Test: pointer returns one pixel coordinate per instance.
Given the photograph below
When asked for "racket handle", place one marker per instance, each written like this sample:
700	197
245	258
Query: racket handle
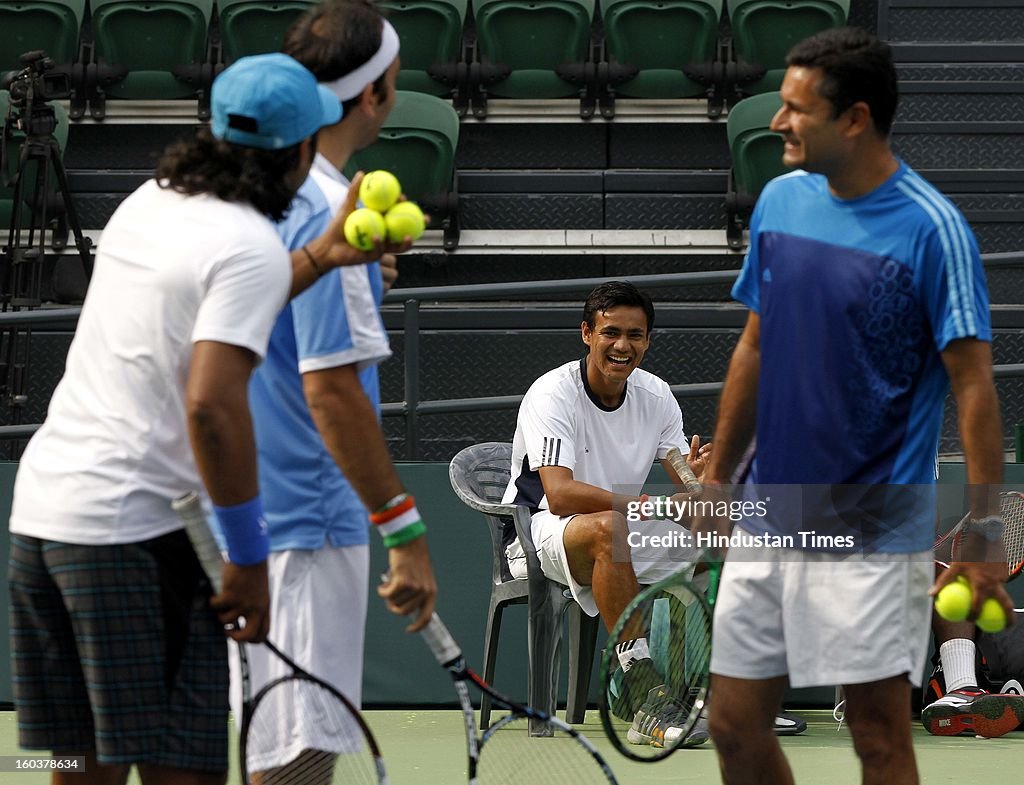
190	510
678	462
440	641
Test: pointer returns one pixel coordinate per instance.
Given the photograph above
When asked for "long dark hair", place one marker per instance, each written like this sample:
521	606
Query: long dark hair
233	173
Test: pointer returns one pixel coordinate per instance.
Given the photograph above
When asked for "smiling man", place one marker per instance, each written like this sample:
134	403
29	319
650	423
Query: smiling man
867	304
587	435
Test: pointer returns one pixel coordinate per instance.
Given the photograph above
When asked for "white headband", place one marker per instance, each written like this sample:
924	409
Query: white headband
352	83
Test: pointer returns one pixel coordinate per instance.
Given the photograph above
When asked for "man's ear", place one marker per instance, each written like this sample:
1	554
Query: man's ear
585	333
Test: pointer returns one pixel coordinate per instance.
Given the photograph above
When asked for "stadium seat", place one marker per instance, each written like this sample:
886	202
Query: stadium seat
765	30
660	38
253	27
533	48
51	25
161	43
479	475
12	155
756	158
431	36
417	144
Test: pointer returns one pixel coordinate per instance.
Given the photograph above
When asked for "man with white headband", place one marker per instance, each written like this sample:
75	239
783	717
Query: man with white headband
323	460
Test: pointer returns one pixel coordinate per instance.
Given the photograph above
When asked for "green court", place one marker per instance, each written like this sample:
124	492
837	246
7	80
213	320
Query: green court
427	747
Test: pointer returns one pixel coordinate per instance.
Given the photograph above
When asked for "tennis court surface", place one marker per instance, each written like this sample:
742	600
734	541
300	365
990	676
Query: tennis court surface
427	747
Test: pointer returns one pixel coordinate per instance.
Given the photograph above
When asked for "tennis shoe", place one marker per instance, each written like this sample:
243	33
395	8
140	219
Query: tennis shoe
662	719
972	711
789	724
636	683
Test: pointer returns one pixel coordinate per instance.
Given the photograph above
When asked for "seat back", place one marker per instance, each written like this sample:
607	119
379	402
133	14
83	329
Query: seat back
430	32
51	25
533	38
661	38
417	144
765	30
12	155
253	27
151	38
756	151
479	475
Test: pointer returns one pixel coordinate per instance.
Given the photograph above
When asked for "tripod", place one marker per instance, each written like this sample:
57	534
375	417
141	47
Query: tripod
24	265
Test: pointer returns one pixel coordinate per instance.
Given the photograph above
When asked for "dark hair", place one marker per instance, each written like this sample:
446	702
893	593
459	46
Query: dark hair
857	66
334	38
231	172
608	295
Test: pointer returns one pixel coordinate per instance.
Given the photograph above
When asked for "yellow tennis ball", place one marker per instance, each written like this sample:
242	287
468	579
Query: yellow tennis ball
379	190
992	617
362	226
954	601
403	220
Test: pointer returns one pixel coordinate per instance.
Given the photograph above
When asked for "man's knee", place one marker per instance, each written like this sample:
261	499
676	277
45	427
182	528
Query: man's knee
734	729
599	536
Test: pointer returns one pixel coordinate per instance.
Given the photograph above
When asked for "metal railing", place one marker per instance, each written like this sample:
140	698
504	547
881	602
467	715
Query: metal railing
411	408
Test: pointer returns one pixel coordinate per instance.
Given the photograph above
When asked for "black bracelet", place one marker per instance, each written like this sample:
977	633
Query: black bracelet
316	268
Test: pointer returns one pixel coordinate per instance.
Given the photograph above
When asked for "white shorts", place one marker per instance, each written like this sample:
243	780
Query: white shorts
318	618
651	563
822	618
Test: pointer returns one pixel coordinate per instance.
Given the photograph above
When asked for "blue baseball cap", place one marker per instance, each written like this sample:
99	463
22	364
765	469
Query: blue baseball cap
270	101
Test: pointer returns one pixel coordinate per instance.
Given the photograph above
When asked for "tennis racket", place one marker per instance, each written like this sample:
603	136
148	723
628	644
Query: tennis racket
274	750
1011	507
655	669
506	753
678	462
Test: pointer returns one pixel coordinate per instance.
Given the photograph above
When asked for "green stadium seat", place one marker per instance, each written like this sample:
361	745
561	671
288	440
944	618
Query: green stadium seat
254	27
14	140
765	30
533	48
431	36
417	144
756	158
660	38
51	25
161	43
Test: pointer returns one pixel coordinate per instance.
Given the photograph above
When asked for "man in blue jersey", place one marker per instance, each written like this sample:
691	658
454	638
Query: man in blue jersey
323	460
867	302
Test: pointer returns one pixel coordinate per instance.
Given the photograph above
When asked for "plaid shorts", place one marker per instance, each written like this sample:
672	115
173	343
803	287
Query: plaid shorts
114	649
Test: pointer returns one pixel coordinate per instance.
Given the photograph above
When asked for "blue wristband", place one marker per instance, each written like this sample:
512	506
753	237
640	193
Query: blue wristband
245	530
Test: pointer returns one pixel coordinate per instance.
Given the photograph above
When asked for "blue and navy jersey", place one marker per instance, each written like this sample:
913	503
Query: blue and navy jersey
336	322
856	299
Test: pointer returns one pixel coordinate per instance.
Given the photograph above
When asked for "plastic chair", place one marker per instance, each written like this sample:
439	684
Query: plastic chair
430	32
51	25
157	41
756	158
254	27
765	30
533	48
660	38
479	475
417	143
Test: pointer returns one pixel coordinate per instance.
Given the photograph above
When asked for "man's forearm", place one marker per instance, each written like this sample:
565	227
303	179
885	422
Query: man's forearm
347	422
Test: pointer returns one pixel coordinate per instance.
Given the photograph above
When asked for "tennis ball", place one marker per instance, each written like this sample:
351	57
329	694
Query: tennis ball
379	190
992	617
362	226
954	601
403	220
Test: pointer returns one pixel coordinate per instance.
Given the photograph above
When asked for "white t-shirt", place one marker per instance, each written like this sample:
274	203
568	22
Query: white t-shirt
114	451
562	423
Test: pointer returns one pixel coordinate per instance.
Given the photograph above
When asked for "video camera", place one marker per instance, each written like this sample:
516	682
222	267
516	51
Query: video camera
31	89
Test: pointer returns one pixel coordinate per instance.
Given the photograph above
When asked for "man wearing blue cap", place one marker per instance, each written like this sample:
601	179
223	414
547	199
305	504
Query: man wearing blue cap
117	655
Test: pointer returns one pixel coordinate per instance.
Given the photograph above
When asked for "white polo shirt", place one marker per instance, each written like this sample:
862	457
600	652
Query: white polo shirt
170	270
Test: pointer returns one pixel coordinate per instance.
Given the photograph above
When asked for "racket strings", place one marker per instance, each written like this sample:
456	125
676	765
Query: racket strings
656	703
1012	509
509	756
328	746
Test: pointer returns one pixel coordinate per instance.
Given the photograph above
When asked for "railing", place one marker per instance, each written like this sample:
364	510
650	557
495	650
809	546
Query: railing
412	407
